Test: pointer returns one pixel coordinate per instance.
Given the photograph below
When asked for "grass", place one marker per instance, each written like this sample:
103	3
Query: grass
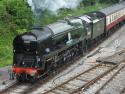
6	38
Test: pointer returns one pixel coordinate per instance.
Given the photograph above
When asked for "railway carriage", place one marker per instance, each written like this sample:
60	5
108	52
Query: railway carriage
115	15
44	49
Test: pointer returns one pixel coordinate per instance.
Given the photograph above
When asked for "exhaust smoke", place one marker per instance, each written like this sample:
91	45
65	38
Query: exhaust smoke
39	6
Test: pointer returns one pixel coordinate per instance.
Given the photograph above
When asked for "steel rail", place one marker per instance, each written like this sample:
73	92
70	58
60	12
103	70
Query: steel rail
99	90
8	87
73	78
87	85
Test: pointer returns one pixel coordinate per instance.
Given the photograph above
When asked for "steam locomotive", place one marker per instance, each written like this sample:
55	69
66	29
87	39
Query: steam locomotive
46	48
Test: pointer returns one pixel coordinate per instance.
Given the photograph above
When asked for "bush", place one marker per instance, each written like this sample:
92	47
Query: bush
17	13
15	18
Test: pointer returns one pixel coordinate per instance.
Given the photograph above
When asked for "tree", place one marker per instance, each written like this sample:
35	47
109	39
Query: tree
109	1
15	14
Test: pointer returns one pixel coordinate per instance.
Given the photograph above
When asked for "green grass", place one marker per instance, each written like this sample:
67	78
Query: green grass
6	38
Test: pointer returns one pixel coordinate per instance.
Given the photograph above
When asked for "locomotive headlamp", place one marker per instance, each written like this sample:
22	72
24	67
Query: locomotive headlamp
47	50
38	59
33	72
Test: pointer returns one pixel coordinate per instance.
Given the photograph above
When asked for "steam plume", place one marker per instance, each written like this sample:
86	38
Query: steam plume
39	6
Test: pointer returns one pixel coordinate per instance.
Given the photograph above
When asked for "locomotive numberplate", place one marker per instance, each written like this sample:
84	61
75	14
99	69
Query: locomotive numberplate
26	41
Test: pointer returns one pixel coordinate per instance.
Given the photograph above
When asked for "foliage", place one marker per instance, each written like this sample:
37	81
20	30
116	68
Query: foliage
109	1
15	18
48	17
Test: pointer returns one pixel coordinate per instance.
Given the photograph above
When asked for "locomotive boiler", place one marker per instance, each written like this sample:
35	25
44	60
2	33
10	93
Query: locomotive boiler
44	49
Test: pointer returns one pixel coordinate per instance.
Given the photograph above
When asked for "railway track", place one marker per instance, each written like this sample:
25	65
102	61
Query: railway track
24	88
5	87
114	84
82	81
97	86
16	88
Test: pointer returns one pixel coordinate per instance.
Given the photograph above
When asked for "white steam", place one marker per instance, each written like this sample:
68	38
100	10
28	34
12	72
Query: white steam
39	6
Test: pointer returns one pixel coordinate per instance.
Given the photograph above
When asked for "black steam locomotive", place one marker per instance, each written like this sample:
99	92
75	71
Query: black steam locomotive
42	50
